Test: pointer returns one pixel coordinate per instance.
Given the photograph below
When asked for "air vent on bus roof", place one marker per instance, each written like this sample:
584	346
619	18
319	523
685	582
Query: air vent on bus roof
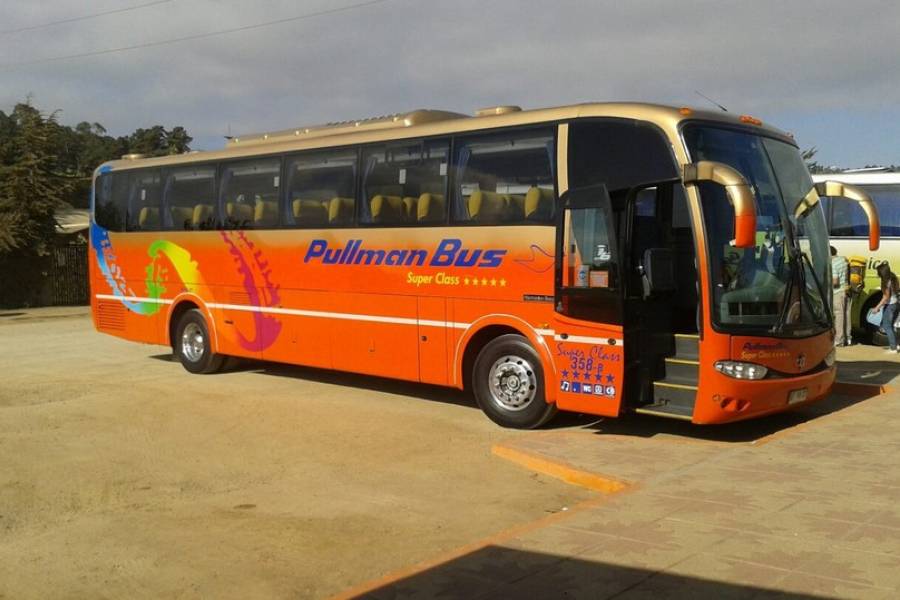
497	110
409	119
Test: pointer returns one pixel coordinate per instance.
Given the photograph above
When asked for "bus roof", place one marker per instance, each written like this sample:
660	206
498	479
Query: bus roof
870	178
425	123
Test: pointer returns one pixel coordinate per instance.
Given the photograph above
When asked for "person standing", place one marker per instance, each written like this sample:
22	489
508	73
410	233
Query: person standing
840	282
888	302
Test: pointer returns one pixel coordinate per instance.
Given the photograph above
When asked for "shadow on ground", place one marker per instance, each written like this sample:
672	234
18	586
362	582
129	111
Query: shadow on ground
498	572
869	372
634	425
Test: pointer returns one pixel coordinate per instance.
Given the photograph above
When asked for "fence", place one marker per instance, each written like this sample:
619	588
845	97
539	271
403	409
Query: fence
69	273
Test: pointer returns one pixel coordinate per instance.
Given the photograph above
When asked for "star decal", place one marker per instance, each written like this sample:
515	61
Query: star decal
610	378
493	282
484	282
502	283
467	281
474	282
598	376
565	373
576	375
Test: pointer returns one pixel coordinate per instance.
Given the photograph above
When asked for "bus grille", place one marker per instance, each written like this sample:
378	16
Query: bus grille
111	316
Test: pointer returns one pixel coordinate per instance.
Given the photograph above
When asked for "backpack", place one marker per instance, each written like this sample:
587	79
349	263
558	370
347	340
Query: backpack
857	274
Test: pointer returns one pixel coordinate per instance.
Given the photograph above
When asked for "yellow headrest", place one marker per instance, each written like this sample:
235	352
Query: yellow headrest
488	206
387	208
148	217
430	207
238	211
340	210
310	211
409	206
538	204
203	215
265	212
182	216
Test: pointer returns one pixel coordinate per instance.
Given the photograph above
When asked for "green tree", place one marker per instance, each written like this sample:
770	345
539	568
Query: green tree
31	189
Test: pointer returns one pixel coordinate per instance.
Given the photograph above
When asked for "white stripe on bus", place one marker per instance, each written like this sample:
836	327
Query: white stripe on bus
576	339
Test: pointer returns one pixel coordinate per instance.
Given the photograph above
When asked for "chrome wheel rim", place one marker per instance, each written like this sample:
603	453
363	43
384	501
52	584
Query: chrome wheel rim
193	344
512	382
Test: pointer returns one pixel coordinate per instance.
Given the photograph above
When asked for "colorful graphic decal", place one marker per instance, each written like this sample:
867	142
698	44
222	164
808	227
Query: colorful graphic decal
250	264
540	260
252	268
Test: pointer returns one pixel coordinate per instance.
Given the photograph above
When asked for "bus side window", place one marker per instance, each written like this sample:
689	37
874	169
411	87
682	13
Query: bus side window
143	201
111	201
249	194
404	184
321	188
189	201
848	219
505	178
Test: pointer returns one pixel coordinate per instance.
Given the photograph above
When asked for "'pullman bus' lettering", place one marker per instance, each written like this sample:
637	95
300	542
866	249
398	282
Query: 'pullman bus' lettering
449	253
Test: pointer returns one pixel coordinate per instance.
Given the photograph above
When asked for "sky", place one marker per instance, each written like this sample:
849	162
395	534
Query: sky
827	71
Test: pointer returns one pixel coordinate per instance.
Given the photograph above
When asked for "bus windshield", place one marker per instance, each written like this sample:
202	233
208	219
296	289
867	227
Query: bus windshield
780	287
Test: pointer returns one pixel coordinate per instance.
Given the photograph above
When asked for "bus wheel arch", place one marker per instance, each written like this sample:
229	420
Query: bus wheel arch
192	340
181	306
509	384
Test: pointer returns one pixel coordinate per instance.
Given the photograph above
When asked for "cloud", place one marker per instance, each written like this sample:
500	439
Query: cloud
778	60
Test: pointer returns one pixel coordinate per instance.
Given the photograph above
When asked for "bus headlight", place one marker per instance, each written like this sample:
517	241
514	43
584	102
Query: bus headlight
829	360
741	370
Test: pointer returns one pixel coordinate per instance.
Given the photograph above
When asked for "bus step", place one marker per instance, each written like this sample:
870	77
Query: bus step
687	346
670	411
682	370
678	396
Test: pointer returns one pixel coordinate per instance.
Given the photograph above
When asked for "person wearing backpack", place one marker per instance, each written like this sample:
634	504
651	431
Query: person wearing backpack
840	282
888	303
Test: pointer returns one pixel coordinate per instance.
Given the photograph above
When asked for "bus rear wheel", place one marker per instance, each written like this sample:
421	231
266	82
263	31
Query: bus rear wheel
191	344
508	383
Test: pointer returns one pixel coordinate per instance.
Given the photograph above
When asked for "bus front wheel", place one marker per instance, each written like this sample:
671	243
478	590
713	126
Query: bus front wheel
192	346
508	383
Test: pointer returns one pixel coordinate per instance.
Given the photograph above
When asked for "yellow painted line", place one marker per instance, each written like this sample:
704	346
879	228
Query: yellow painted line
680	386
533	462
560	470
693	336
683	361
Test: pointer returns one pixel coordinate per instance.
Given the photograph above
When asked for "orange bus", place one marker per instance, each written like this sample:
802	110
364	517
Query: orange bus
597	258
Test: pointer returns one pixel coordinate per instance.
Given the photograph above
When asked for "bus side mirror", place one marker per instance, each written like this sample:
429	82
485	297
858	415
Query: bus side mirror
739	195
851	192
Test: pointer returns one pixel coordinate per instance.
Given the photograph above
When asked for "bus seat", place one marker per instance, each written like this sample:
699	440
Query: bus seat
340	210
182	216
539	204
148	218
203	216
515	207
488	206
410	204
310	212
430	208
265	213
387	209
239	212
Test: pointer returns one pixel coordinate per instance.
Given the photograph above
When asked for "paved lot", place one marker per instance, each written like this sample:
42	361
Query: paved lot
123	476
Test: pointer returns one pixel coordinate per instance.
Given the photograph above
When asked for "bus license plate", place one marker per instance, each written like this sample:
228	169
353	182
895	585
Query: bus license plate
797	396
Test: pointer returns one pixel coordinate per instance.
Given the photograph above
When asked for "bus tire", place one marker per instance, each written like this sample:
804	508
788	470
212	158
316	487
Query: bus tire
192	345
508	383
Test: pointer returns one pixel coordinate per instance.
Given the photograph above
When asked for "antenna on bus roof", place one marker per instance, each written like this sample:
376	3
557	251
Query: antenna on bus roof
711	100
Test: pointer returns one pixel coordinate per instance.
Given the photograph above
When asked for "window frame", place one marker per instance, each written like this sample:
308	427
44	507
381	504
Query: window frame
165	214
222	165
459	138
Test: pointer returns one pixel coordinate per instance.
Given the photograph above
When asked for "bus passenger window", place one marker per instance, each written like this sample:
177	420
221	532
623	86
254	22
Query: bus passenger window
249	194
404	184
189	202
111	201
321	187
506	178
143	201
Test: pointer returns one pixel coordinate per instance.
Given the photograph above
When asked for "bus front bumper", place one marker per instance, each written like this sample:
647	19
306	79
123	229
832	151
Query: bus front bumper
722	399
